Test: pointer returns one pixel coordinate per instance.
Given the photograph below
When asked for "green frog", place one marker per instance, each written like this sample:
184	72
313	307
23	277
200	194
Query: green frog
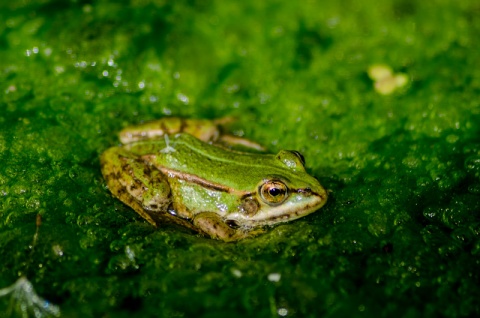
185	171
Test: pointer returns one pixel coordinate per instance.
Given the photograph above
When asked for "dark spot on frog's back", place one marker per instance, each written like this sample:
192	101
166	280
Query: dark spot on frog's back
121	191
146	170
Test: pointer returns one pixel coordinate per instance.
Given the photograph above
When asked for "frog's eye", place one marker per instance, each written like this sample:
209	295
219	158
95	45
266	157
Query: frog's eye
299	156
273	192
291	159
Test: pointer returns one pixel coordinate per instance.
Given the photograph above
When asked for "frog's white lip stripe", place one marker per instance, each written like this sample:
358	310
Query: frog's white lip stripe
282	213
286	212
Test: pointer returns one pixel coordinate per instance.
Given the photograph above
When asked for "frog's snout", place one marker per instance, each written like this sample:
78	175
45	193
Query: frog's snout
319	192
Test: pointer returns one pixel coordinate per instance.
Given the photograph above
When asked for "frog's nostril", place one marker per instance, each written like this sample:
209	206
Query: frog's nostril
305	191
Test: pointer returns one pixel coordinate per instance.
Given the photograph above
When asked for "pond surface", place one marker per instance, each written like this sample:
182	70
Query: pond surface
400	154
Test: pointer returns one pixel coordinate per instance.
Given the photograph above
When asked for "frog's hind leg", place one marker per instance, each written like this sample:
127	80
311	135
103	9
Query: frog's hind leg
203	129
136	183
212	131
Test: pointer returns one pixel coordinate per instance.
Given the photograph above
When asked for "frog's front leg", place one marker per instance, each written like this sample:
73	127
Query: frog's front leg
214	226
136	183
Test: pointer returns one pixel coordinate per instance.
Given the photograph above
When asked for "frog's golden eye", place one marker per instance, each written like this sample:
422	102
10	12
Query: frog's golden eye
273	192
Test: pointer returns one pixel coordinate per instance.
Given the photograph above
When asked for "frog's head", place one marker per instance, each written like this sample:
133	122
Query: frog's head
283	196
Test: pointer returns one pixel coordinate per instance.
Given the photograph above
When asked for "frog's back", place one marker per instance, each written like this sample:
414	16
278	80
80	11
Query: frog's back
187	155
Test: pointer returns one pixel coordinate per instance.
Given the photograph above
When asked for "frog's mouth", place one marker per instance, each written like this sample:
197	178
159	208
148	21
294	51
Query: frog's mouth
301	202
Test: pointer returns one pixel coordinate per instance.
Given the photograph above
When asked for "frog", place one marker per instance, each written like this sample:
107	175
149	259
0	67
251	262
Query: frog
192	173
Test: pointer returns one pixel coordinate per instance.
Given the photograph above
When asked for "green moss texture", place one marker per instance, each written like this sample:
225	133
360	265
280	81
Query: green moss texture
400	235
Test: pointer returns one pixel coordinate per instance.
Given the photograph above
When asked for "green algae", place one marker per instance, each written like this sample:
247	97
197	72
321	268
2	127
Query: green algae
400	235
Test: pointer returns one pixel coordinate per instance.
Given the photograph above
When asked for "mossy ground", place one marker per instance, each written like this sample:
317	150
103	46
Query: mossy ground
400	235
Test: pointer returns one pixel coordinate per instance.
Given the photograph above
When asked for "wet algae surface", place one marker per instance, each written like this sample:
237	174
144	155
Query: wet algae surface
400	235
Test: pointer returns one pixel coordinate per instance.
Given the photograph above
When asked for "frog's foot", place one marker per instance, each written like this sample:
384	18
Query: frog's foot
206	130
203	129
136	183
234	141
214	226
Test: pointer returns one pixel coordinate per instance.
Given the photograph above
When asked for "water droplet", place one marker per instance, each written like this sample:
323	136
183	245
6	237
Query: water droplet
237	273
282	312
274	277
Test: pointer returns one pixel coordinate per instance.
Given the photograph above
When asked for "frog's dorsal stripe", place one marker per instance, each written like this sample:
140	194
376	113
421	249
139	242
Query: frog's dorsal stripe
179	175
221	154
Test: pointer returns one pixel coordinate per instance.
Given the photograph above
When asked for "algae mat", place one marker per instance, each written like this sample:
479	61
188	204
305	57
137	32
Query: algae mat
397	145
